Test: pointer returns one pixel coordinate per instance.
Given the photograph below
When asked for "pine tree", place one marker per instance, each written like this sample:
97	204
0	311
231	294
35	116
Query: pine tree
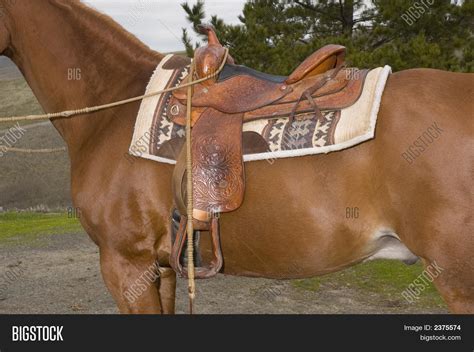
275	36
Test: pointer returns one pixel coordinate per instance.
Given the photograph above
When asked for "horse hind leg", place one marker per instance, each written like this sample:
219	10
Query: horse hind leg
455	283
451	249
451	267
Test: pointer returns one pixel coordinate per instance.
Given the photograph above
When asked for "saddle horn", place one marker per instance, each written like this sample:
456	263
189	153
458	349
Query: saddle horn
209	58
207	29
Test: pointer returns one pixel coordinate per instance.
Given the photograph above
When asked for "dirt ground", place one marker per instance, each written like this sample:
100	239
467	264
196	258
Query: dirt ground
59	274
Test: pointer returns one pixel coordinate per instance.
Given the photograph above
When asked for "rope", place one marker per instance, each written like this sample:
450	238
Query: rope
35	151
189	184
88	110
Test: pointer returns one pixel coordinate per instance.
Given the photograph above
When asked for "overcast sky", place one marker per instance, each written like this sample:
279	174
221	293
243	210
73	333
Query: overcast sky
158	23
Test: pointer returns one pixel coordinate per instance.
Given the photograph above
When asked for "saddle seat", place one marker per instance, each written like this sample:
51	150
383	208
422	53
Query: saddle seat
239	89
209	58
221	105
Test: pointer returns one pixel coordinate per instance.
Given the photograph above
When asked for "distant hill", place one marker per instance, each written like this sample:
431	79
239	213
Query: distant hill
8	71
36	181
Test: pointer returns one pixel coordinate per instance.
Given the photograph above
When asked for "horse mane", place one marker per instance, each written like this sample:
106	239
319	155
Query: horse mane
121	37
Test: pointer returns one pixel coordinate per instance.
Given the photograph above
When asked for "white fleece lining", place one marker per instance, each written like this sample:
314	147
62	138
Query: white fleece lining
147	110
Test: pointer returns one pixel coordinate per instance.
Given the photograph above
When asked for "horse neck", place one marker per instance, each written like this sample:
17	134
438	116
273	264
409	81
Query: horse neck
73	57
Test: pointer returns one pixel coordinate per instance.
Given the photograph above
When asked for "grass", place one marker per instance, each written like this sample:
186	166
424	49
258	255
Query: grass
29	225
378	282
383	278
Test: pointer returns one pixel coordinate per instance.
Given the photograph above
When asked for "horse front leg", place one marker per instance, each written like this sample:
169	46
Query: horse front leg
167	290
134	261
132	281
137	283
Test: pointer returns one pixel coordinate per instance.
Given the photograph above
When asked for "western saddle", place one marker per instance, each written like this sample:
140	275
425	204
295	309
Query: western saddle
220	106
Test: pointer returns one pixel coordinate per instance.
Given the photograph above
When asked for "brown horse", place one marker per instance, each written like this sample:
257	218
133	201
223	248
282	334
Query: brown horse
293	223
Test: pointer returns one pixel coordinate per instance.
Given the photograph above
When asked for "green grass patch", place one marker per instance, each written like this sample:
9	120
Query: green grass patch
386	279
28	224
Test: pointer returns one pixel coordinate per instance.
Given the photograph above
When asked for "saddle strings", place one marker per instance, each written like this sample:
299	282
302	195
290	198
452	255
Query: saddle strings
308	94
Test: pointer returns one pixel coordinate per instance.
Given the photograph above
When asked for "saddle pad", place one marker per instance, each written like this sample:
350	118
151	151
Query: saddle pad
157	138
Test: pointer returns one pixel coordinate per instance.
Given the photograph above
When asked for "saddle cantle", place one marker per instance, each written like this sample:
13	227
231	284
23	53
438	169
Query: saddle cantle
221	105
327	58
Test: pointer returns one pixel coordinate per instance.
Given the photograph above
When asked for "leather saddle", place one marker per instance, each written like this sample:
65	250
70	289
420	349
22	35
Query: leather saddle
220	106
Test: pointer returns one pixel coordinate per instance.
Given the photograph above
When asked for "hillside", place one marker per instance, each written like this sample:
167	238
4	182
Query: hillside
30	180
8	70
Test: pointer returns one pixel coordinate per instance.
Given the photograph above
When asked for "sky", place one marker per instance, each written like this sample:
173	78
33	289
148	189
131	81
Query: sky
158	23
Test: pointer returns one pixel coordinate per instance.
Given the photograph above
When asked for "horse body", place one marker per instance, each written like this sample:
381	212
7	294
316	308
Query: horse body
420	203
294	221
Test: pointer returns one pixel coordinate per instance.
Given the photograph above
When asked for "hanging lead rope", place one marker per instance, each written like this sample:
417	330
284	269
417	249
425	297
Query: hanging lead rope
189	181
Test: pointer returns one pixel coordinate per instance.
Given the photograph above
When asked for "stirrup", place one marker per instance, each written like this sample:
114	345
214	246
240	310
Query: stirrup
202	272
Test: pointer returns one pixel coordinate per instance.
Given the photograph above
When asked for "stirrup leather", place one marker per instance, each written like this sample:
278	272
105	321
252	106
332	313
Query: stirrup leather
202	272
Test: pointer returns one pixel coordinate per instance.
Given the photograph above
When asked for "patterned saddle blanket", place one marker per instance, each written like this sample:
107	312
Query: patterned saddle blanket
158	137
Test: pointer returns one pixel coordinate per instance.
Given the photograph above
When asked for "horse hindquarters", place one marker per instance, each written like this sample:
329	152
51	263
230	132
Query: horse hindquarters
427	161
